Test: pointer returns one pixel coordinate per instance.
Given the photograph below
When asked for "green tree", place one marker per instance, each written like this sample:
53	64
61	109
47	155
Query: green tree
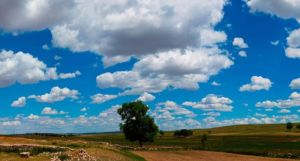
183	133
203	139
137	125
289	126
298	126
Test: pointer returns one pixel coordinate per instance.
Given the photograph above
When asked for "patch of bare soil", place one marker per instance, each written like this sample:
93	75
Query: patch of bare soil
200	156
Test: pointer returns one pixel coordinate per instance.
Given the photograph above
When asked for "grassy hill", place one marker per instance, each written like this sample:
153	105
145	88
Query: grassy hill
265	140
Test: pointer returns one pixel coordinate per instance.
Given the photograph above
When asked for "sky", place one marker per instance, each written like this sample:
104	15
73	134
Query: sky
67	66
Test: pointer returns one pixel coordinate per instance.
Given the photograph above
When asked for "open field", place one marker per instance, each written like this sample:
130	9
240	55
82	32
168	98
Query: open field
201	156
261	140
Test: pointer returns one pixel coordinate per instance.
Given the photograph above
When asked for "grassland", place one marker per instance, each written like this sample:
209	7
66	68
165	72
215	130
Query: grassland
263	140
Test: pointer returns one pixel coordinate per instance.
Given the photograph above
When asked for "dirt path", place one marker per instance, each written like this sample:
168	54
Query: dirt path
200	156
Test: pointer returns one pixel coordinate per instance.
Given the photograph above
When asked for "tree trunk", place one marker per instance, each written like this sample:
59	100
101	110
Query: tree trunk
140	143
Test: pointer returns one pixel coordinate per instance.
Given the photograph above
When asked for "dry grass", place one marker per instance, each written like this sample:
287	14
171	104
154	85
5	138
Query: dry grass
200	156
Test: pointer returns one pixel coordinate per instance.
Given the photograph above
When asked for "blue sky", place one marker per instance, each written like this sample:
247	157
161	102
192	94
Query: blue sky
197	65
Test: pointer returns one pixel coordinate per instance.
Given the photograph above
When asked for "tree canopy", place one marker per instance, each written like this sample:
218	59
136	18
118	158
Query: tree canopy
137	125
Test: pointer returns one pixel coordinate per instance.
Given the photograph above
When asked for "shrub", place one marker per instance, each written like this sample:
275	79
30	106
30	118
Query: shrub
289	126
183	133
64	157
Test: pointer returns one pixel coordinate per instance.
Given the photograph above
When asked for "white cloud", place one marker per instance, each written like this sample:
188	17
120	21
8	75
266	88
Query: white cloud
239	42
293	41
284	111
295	83
11	123
212	102
156	25
292	101
242	53
20	102
101	98
33	14
285	9
155	73
282	8
212	114
69	75
292	52
214	83
275	43
257	83
146	97
169	110
110	119
33	117
49	111
260	115
57	57
24	68
45	47
84	109
56	94
170	116
210	37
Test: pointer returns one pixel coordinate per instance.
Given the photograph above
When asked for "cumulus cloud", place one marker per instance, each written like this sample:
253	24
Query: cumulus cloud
212	114
155	25
257	83
33	14
293	41
170	115
146	97
213	122
155	73
284	111
282	8
239	42
101	98
69	75
20	102
212	102
33	117
242	53
118	25
169	110
49	111
295	83
52	111
25	69
275	43
214	83
84	109
56	94
11	123
292	101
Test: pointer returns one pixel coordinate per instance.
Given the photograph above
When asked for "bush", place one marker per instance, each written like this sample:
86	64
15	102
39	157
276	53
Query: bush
183	133
289	126
64	157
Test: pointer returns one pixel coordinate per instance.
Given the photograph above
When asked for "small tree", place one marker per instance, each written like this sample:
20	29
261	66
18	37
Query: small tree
289	126
298	126
183	133
203	140
137	125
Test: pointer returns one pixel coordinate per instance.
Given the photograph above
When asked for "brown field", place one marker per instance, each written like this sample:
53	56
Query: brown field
243	143
200	156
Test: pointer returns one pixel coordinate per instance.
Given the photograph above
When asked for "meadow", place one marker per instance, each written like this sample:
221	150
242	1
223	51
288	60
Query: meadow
260	140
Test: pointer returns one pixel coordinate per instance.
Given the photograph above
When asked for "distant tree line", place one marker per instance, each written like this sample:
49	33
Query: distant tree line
290	126
183	133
